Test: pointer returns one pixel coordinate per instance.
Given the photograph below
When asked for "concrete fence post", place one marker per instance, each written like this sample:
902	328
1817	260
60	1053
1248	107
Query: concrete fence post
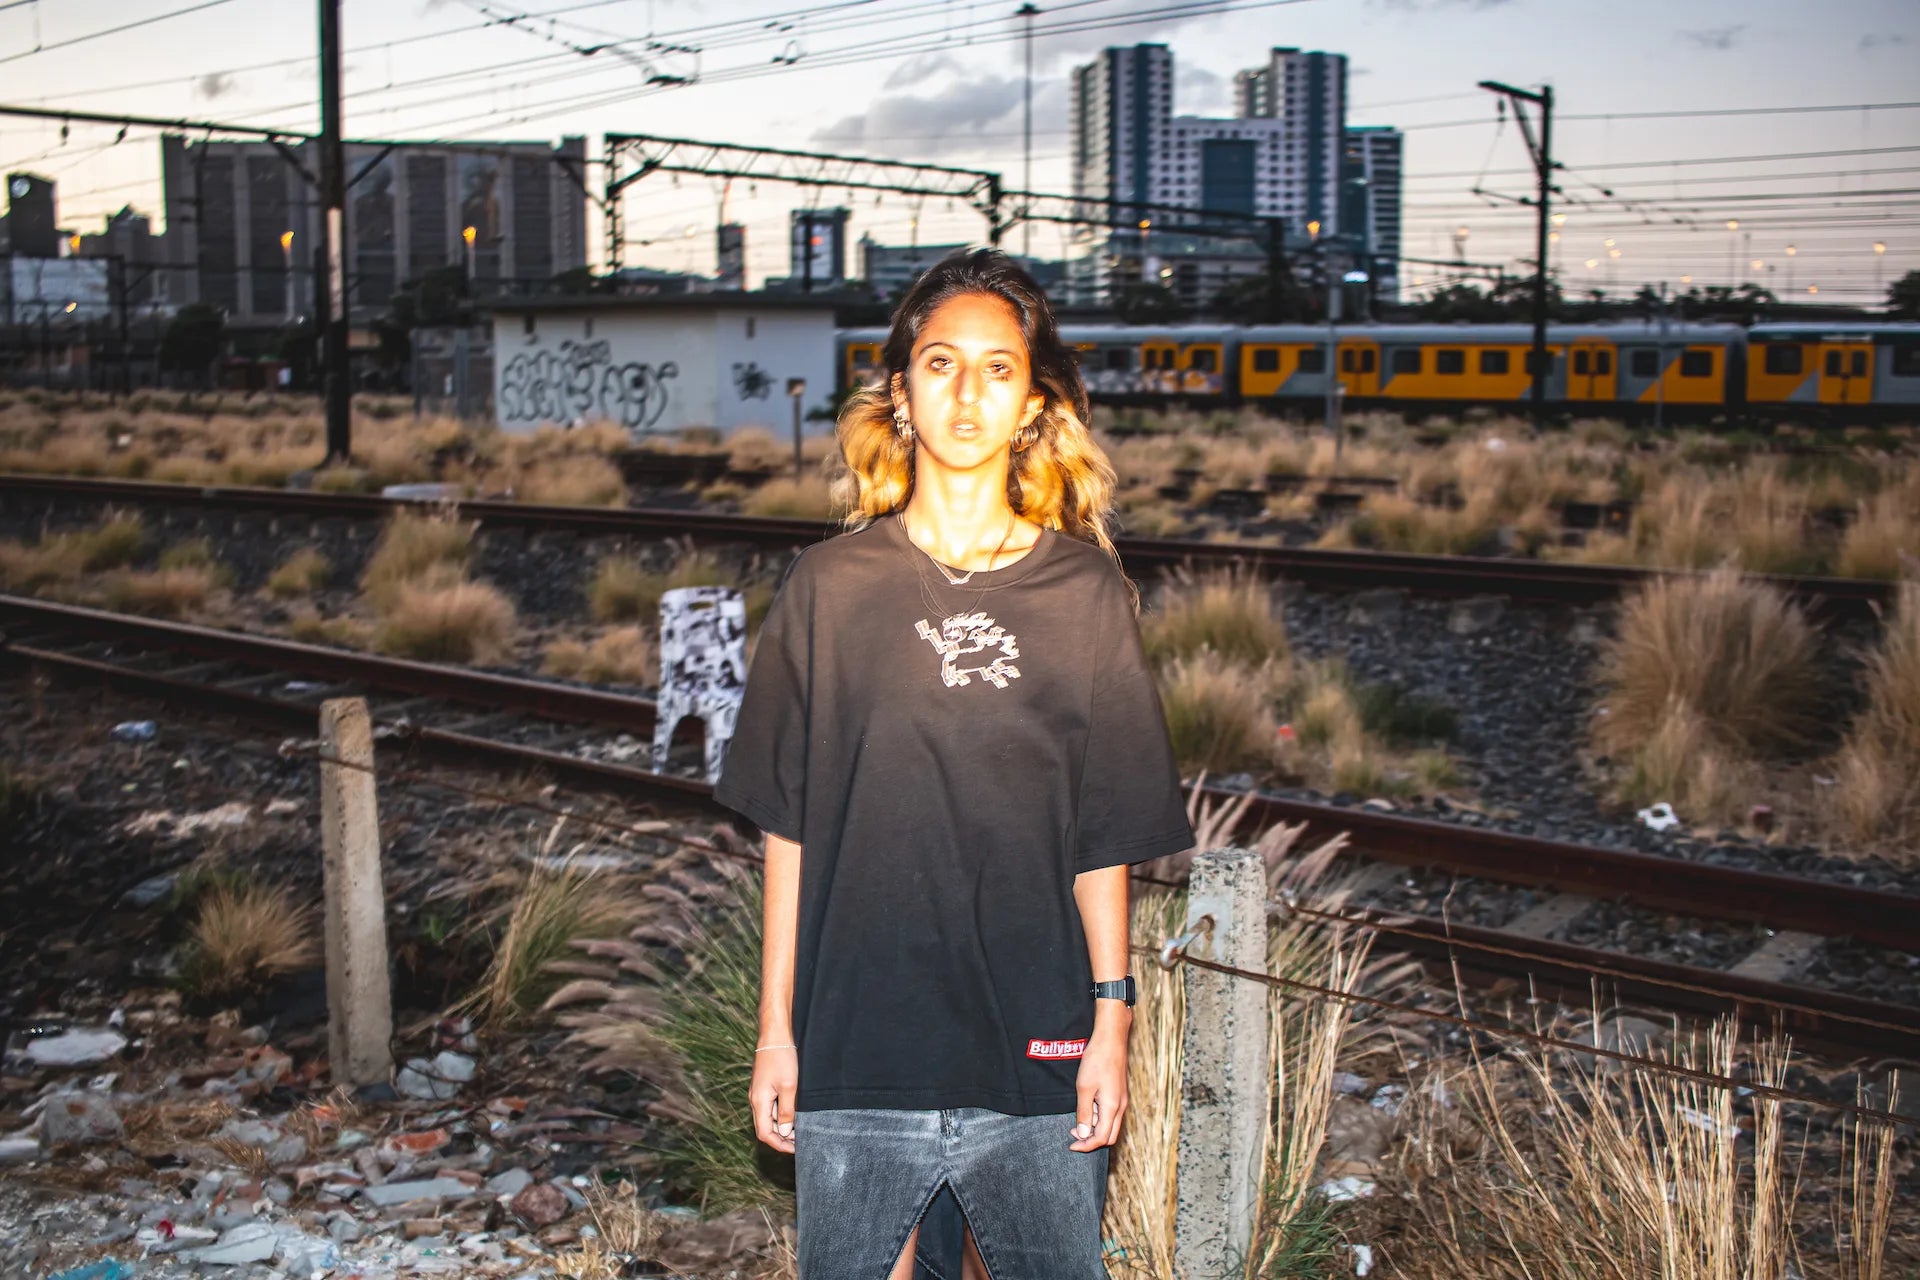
359	990
1223	1099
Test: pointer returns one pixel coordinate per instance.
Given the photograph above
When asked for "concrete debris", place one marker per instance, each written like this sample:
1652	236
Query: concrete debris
437	1080
249	1242
150	892
510	1183
19	1150
74	1047
540	1205
79	1119
390	1194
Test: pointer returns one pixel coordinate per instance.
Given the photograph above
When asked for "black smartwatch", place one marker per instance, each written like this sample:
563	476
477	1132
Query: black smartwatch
1119	989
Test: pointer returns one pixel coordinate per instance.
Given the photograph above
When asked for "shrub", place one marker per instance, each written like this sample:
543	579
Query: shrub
302	573
447	622
24	568
195	553
118	540
549	912
243	937
410	547
625	655
1233	614
580	480
624	590
1886	529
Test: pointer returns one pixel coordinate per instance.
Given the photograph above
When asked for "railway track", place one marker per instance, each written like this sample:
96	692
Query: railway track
514	724
1535	581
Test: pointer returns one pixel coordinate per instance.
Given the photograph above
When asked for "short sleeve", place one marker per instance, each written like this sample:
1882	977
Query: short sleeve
1131	807
763	777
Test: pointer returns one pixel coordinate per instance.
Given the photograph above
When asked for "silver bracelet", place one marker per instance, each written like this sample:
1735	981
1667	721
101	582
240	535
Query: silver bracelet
765	1048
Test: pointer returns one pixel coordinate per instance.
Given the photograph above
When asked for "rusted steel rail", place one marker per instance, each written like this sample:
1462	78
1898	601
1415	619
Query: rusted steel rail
34	633
1536	581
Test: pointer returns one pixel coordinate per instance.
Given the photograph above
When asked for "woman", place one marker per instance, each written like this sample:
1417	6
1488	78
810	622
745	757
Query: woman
952	741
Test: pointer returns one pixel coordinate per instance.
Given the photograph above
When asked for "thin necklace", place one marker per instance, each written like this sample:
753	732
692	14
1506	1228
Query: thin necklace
966	577
921	580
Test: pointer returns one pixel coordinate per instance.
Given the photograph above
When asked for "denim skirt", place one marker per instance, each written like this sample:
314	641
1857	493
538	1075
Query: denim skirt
864	1178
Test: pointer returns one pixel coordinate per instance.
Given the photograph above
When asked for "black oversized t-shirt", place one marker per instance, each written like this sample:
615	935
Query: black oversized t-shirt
947	772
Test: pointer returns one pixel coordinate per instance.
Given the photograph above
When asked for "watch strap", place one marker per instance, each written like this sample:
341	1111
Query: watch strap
1119	989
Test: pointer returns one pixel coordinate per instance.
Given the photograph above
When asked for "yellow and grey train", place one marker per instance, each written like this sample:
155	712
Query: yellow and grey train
1852	370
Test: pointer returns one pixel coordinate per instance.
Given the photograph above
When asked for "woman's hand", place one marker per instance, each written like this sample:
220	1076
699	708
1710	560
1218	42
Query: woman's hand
776	1078
1102	1083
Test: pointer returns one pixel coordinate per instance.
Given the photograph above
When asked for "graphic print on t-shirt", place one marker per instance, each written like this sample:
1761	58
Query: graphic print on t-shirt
963	635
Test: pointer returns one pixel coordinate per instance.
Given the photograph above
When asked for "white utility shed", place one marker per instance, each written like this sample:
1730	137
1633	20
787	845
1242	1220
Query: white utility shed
661	363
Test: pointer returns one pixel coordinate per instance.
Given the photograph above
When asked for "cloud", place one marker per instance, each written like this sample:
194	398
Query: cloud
945	120
215	84
918	70
1199	92
1873	40
1719	39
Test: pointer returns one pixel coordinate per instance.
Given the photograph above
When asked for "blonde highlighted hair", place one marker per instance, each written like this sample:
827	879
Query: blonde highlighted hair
1062	480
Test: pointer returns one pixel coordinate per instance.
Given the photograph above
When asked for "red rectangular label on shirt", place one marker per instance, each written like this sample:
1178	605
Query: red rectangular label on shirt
1045	1049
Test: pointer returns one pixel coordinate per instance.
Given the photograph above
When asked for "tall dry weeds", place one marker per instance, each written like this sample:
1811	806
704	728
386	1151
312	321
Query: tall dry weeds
414	546
1232	613
1875	799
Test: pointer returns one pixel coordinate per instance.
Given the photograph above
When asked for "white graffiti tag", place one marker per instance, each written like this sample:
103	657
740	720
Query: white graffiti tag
966	634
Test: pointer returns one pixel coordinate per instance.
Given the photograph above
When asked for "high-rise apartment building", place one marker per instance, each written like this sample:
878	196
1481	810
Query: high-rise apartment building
1306	93
243	221
1370	173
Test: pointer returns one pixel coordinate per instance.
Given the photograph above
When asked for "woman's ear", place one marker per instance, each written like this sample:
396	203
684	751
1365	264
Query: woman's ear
1036	404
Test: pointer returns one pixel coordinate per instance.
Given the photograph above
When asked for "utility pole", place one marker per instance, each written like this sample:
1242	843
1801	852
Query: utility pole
333	248
1028	11
1541	150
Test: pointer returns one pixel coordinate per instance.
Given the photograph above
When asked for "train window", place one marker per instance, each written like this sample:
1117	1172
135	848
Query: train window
1406	360
1313	360
1581	365
1203	360
1696	364
1366	359
1266	359
1833	364
1906	360
1783	358
1533	364
1643	362
1449	360
1603	362
1349	360
1117	359
1857	364
1493	362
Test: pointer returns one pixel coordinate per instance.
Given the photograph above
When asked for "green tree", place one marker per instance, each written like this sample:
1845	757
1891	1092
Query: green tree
1903	297
194	338
1251	300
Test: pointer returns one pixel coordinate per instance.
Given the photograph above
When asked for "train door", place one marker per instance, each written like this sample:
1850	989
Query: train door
1846	373
1202	369
1159	367
1360	368
1591	373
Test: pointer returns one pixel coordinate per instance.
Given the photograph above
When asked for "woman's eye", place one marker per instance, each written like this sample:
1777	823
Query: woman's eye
1002	370
938	362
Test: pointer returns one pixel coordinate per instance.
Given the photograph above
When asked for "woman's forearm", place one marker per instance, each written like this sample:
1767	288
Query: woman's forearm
1102	898
779	940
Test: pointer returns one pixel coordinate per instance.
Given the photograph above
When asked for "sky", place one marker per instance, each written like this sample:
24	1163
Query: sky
1636	82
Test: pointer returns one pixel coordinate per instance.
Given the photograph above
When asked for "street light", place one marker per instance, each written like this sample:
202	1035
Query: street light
469	234
1792	252
1029	12
286	257
1879	263
1733	225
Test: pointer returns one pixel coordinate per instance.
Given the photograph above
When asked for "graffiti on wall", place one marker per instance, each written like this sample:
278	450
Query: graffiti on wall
580	381
751	381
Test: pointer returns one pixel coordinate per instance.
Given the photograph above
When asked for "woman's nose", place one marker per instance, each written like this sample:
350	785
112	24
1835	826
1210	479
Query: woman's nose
970	385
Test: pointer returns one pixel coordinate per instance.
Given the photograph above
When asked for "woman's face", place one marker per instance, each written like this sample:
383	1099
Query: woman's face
969	385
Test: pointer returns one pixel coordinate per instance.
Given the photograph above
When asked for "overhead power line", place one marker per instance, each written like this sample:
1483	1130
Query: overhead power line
114	31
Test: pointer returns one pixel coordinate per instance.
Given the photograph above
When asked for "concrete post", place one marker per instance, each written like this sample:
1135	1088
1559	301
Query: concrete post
359	991
1223	1100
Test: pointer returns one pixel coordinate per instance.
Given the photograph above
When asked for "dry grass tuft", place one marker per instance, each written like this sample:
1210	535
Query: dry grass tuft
624	590
1884	539
160	593
1706	673
810	497
447	621
550	912
578	480
412	547
1875	799
245	936
300	574
1231	613
1218	714
309	627
624	655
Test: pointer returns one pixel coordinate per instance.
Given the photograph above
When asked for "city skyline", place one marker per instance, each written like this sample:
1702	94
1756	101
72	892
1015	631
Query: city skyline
943	83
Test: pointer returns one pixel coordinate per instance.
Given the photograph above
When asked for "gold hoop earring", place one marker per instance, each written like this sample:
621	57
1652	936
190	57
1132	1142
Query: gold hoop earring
902	426
1026	437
